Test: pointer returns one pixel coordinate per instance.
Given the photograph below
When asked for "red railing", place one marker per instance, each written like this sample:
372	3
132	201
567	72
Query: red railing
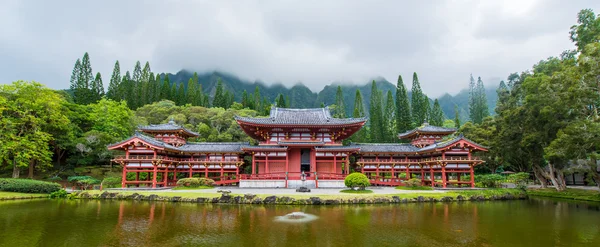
215	160
400	161
294	176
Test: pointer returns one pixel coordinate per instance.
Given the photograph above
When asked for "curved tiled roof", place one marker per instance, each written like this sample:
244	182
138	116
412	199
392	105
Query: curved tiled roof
448	143
170	126
426	128
306	117
218	147
146	139
385	147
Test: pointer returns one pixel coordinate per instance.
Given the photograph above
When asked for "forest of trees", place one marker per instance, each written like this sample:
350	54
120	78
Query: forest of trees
546	119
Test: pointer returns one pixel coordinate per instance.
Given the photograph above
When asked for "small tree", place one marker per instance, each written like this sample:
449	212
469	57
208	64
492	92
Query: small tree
357	180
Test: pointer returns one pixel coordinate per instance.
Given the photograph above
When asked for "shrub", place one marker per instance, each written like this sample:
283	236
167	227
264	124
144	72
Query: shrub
111	182
84	182
489	180
59	194
520	179
413	182
27	185
357	180
195	182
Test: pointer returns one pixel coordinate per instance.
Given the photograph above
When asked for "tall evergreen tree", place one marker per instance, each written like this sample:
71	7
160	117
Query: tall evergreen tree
181	99
115	82
403	118
219	100
437	115
388	118
340	110
377	128
200	96
190	93
136	81
456	118
230	97
97	88
82	84
472	100
426	108
418	108
125	88
482	100
280	101
75	76
144	88
257	106
165	90
174	93
150	91
359	111
245	99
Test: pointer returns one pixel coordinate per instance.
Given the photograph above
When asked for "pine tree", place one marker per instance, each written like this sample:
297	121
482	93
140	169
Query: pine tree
173	93
257	106
472	100
230	99
200	96
190	93
165	89
75	76
136	85
280	101
456	118
97	88
437	115
403	118
125	88
245	99
287	101
143	90
340	110
219	99
266	106
181	99
388	118
482	106
419	110
359	112
426	108
115	82
150	93
375	115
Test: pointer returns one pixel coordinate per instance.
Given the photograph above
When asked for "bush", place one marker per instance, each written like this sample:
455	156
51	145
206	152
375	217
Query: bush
195	182
84	182
357	180
111	182
59	194
520	179
413	182
489	180
27	185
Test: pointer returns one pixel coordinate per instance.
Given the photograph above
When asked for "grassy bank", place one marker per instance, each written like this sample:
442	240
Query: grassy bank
573	194
16	195
487	194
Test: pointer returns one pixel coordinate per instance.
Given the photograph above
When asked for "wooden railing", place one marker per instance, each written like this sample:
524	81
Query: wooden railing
294	176
423	160
184	160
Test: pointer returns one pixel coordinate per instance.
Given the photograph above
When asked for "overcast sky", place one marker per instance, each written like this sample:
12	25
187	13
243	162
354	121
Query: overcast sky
314	42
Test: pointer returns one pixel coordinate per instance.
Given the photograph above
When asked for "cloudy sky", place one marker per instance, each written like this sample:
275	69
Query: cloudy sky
314	42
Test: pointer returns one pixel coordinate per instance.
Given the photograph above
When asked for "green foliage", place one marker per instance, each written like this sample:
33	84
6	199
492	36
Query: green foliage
195	182
27	186
489	180
520	179
111	182
437	115
418	100
413	182
351	191
357	180
340	111
573	194
59	194
376	121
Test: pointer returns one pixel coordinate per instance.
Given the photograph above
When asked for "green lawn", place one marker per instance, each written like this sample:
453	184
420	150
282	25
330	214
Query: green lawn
574	194
356	191
414	188
16	195
203	187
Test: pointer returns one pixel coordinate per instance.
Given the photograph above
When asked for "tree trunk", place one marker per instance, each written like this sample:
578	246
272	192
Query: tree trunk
31	168
16	170
540	177
555	178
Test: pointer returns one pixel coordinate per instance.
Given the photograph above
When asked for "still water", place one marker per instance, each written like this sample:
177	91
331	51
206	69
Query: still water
533	222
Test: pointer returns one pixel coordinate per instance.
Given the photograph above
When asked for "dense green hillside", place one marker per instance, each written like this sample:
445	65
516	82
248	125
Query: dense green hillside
302	97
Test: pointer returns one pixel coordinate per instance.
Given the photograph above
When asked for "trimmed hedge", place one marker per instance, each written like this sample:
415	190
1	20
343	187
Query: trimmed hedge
357	179
111	182
28	185
195	182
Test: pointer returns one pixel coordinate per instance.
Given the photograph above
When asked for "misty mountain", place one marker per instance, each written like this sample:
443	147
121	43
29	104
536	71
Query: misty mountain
301	96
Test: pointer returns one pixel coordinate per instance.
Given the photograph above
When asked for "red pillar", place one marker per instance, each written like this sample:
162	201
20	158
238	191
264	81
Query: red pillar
444	176
253	164
266	162
190	170
377	168
166	176
422	175
472	176
392	167
137	178
124	178
334	163
206	170
432	176
154	175
175	174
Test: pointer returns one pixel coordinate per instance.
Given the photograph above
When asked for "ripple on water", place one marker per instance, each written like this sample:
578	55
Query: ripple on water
296	217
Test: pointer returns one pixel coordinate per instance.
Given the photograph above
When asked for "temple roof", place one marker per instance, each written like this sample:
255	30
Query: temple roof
217	147
171	126
305	117
385	147
427	129
450	142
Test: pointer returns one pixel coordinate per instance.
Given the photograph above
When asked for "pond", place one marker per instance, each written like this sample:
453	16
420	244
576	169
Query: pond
533	222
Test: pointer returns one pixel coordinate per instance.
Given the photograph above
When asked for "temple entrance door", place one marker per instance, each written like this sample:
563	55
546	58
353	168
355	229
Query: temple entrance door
305	160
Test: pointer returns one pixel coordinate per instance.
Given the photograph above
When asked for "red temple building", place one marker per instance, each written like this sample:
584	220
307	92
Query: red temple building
297	147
